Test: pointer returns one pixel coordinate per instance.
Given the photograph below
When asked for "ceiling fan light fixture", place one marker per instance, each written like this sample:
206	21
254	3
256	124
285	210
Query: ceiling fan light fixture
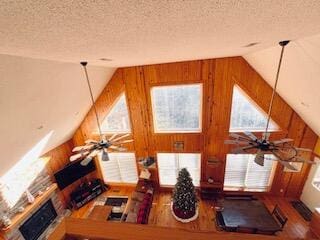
284	152
91	148
105	156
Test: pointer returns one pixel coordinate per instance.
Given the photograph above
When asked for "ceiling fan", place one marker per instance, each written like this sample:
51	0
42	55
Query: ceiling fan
92	148
282	150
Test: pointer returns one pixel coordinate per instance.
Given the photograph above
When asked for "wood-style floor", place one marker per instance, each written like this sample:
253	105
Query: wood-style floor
160	215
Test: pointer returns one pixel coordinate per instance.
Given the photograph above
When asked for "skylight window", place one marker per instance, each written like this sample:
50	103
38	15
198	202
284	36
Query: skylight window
117	120
177	108
246	115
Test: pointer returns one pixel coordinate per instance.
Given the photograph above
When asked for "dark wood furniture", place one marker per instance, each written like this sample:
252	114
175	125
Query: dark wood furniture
245	229
279	216
100	213
315	222
210	191
251	214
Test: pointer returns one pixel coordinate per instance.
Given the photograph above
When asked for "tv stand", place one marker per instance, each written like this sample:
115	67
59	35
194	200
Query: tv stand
86	192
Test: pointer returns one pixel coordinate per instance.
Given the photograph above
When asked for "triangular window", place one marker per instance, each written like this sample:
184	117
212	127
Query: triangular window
117	120
246	115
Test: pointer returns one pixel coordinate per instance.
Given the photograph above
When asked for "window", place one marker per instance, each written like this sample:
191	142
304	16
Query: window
242	173
117	120
169	165
121	168
246	115
316	179
177	108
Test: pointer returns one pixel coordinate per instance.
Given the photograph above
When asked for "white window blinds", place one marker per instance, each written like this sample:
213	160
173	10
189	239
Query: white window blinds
169	165
120	168
177	108
242	173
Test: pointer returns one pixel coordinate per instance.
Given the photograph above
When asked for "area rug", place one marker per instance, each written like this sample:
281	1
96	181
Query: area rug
302	209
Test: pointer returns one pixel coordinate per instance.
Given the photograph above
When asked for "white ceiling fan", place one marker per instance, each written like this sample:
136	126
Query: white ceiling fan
92	148
283	150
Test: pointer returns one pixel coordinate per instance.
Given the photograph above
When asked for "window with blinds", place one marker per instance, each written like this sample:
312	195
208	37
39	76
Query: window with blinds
169	165
246	115
177	108
316	178
242	173
117	120
121	168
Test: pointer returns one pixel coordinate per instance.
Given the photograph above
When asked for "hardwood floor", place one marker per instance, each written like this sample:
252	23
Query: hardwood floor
160	215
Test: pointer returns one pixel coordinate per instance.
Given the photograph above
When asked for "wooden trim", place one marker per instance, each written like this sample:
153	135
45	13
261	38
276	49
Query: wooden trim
86	228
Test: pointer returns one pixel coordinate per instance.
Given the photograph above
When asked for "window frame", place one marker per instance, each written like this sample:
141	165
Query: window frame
238	130
178	169
316	177
246	189
153	107
105	180
110	109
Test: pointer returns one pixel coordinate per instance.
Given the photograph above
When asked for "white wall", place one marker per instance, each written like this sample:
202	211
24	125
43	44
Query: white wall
38	97
310	195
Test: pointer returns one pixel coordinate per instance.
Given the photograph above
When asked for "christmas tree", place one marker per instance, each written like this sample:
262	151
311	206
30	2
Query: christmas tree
184	196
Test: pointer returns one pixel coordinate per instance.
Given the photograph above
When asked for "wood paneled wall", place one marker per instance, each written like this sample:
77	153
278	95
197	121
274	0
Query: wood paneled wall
218	77
59	158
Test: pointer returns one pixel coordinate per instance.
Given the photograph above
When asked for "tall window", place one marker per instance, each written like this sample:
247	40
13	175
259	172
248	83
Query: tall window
177	108
316	179
246	115
242	173
169	165
117	120
121	168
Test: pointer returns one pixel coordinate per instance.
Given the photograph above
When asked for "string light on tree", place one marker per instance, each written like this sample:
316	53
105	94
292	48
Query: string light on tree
184	199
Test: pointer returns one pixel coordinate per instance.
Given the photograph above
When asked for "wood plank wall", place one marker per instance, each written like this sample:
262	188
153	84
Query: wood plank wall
218	77
59	158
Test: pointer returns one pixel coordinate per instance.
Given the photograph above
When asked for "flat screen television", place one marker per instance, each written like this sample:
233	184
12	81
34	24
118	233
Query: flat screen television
72	172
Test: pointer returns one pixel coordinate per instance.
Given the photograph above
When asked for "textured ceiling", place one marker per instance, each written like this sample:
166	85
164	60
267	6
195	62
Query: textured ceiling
299	80
53	94
144	32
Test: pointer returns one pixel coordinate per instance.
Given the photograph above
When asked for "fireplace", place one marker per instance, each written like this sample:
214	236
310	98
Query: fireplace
39	221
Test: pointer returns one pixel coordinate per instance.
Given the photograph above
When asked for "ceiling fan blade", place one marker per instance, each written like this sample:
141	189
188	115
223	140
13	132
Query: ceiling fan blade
242	149
239	137
300	159
121	137
284	140
251	135
122	142
82	148
75	157
93	153
259	158
90	141
288	165
78	156
113	136
237	142
303	149
86	161
120	149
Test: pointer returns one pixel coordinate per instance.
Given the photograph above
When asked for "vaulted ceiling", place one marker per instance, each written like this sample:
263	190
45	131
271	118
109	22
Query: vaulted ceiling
42	83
